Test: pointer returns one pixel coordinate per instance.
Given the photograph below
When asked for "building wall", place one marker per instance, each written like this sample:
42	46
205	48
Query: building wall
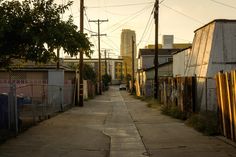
147	61
126	48
180	61
166	70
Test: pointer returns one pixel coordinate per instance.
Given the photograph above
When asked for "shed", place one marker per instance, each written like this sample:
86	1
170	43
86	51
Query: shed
213	50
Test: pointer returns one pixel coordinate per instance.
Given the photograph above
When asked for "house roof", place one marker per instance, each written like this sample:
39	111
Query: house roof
181	50
160	65
31	66
151	52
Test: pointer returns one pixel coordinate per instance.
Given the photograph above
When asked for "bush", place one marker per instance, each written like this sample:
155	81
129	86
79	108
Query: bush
173	111
205	122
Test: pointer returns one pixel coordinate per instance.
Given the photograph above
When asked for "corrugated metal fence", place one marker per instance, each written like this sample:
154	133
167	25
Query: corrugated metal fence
226	94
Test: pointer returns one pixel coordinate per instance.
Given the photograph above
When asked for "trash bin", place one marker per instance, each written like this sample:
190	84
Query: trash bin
3	111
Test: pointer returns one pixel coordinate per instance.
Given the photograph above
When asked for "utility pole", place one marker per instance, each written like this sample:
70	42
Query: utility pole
156	17
105	51
99	53
132	90
126	73
81	62
58	58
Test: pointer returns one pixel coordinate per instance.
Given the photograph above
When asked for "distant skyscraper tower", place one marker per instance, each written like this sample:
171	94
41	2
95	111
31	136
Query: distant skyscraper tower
126	42
126	50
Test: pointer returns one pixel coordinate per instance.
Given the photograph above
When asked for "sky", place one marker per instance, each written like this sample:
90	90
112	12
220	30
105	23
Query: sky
176	17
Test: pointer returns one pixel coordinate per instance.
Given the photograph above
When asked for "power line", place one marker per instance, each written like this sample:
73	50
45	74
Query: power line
146	28
90	31
121	5
90	28
150	32
162	1
129	19
117	47
181	13
224	4
111	46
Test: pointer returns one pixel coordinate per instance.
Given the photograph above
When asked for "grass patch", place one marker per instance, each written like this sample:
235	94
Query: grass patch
173	111
205	122
151	102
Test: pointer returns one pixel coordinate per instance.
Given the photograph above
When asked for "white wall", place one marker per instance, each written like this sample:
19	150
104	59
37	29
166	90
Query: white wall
180	62
56	88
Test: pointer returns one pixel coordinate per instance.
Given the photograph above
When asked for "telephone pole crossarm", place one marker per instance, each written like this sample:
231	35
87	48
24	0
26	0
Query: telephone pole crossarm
99	52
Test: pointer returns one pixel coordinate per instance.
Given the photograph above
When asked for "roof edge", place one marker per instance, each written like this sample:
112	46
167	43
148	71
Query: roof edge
216	20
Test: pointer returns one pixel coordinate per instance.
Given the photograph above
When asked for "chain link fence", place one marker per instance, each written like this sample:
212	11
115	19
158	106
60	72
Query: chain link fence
22	106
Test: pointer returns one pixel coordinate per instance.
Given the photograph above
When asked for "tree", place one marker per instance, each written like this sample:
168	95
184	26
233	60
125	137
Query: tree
106	79
33	29
89	73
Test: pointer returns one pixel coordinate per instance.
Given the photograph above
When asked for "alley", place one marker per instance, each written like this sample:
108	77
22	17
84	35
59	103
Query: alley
114	125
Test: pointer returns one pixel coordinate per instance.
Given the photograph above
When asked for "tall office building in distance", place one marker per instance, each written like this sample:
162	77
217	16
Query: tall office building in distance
126	51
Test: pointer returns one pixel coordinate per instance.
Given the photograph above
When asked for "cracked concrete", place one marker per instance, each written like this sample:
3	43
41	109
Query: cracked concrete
125	139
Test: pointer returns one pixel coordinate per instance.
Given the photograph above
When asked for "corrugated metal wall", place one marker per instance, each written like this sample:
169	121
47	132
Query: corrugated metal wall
213	50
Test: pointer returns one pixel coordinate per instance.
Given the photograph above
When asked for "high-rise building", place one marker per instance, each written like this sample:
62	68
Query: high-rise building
126	51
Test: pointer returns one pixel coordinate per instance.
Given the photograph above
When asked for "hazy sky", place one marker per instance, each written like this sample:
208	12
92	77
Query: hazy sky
177	17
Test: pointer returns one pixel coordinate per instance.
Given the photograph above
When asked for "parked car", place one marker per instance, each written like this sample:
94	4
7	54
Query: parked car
122	87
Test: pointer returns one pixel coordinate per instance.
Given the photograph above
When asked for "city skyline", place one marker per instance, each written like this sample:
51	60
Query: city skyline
178	18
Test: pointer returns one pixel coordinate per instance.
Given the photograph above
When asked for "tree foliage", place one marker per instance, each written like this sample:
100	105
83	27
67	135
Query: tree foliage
89	73
33	29
106	79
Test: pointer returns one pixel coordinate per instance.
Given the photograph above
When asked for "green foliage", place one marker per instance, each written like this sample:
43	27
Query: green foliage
205	122
89	73
128	77
32	30
106	79
173	111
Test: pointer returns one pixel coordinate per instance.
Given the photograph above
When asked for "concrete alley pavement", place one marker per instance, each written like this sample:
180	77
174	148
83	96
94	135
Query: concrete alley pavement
114	125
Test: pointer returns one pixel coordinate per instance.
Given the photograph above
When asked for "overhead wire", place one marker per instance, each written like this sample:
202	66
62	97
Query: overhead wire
146	27
112	42
120	5
127	19
224	4
150	32
183	14
111	46
90	28
130	19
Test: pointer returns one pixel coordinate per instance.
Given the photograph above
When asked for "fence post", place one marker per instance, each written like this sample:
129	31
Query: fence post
61	100
194	93
13	110
206	86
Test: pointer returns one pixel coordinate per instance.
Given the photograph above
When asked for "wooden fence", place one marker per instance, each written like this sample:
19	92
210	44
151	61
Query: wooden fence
178	91
226	95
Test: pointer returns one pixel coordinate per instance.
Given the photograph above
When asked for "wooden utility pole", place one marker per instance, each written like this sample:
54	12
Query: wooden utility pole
99	53
132	90
156	17
81	62
105	51
58	58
